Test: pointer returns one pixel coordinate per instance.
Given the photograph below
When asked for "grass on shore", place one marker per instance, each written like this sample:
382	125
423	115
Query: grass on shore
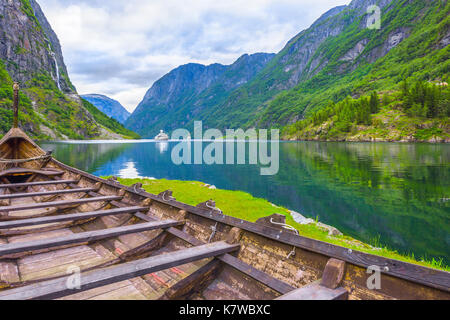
244	206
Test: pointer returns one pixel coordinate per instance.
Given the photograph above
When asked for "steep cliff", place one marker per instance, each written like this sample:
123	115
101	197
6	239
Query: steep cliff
30	53
338	56
189	91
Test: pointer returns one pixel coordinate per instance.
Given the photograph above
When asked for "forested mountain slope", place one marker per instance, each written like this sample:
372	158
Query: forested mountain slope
30	54
337	57
189	92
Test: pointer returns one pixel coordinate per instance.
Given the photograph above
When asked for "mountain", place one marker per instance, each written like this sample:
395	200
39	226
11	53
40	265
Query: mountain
30	53
337	57
190	91
108	106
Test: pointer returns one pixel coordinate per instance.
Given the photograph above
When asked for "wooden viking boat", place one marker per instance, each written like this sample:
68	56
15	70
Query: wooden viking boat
59	224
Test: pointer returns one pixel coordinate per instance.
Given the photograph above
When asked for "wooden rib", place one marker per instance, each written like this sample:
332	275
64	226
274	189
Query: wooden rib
14	171
45	193
40	183
195	282
258	275
58	203
58	288
315	291
233	262
84	237
68	217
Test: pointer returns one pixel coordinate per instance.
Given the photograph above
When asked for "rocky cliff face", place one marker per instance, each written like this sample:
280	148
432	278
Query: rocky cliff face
28	45
338	45
189	91
108	106
336	57
30	53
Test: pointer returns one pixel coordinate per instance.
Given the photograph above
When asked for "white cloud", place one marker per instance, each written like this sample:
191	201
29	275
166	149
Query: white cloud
119	48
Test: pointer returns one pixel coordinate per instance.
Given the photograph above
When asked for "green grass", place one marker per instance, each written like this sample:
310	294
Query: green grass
244	206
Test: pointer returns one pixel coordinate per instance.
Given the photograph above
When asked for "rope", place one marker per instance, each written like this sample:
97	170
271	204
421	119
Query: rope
288	227
44	157
214	208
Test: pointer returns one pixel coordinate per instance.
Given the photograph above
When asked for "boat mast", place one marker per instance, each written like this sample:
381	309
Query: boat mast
16	105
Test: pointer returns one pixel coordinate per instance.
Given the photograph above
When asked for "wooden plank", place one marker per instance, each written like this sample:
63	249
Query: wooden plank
258	275
58	288
68	217
83	237
21	171
58	203
252	272
315	291
45	193
333	274
193	283
39	183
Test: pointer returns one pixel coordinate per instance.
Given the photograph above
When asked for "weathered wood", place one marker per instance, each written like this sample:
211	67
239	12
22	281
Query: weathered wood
13	248
258	275
195	282
38	183
419	275
315	291
252	272
234	236
58	288
58	203
45	193
68	217
333	274
16	171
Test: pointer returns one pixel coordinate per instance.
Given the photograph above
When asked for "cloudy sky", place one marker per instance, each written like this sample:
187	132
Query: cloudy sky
121	47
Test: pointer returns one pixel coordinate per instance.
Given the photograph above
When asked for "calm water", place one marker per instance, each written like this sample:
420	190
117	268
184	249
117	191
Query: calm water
397	193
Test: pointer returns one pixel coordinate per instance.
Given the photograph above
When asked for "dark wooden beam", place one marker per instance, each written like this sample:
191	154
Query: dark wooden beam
258	275
58	203
45	193
195	282
58	288
333	274
68	217
252	272
13	248
39	183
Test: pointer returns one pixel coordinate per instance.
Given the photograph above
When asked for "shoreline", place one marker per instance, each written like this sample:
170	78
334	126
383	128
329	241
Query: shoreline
374	140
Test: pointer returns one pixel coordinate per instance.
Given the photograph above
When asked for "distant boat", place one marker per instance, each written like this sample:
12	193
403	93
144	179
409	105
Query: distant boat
162	136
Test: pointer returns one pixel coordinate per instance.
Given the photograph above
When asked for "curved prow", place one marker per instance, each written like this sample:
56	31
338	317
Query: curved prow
16	148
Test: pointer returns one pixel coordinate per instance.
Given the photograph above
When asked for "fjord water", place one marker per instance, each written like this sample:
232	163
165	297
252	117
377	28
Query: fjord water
380	193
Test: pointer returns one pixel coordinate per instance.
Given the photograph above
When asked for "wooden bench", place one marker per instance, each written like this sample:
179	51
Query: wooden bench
58	288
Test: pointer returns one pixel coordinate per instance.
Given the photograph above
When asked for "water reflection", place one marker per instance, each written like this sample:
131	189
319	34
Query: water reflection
129	171
391	191
163	146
